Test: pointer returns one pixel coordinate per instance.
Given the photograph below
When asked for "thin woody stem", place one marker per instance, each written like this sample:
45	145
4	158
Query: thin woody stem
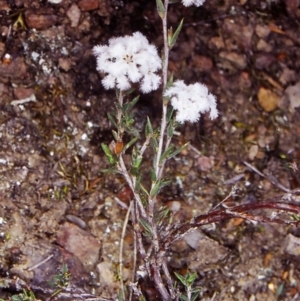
241	211
165	79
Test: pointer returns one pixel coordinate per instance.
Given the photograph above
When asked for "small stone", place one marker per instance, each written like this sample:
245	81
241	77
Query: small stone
292	94
40	21
216	43
262	31
87	5
74	15
263	46
292	245
21	92
64	64
267	99
204	163
253	151
236	59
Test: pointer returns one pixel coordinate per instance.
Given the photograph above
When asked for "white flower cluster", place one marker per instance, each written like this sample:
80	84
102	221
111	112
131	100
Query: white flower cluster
191	2
190	101
127	60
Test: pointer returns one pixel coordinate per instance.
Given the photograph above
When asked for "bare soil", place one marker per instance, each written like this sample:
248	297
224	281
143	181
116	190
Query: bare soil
57	208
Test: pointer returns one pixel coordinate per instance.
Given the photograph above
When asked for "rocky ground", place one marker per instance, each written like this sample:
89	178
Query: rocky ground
58	209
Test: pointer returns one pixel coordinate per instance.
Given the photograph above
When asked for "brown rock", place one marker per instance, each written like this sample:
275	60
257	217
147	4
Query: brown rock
80	243
292	245
40	21
87	5
204	163
73	14
267	99
15	70
202	62
64	63
21	92
236	59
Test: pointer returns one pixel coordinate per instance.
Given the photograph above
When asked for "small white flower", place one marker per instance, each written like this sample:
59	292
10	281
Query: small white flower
191	2
127	60
190	101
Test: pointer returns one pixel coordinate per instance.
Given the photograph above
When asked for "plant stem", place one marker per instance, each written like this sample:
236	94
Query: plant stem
165	79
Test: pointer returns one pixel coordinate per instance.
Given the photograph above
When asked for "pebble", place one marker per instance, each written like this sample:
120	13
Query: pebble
87	5
74	15
40	21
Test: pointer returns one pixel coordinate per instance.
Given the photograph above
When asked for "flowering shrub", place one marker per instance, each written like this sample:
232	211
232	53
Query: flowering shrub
123	62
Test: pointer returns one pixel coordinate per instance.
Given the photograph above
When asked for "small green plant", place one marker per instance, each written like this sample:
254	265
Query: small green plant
61	280
192	293
26	295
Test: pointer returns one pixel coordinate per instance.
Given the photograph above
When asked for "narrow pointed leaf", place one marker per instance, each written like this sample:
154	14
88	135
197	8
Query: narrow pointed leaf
177	151
170	113
129	105
109	170
128	92
108	153
172	41
146	226
148	128
137	162
158	185
170	130
115	134
160	8
130	143
167	153
181	278
144	190
112	120
152	175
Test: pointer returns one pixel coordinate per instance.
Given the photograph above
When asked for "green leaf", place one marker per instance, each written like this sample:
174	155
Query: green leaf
109	170
181	278
169	153
154	144
170	130
130	143
138	181
183	298
148	128
115	134
195	297
112	120
108	153
137	162
170	81
160	8
172	41
129	105
152	175
146	226
144	190
158	185
128	92
180	149
166	153
170	114
191	278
